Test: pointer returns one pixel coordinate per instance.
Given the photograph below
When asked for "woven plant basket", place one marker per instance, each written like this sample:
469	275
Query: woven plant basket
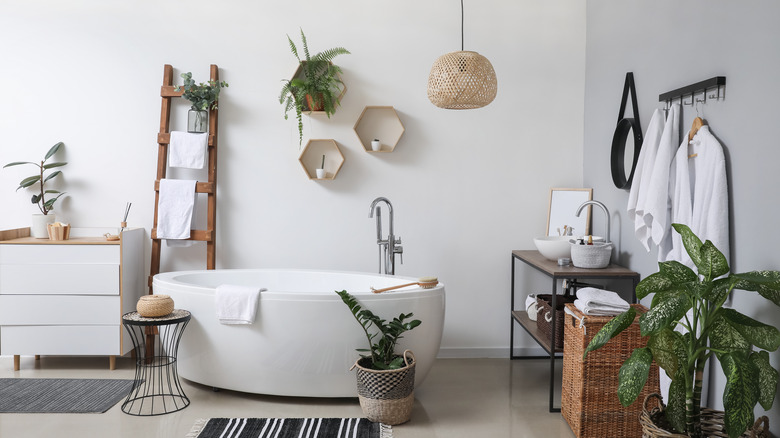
589	401
544	317
594	256
154	306
386	396
711	423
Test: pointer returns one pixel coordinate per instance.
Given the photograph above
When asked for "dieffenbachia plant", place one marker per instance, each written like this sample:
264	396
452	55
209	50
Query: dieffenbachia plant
694	302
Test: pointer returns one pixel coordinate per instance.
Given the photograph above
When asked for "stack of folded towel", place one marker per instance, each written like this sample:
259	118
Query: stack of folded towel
599	302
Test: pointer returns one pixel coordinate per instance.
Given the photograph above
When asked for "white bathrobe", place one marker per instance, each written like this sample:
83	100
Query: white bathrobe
642	174
657	204
699	194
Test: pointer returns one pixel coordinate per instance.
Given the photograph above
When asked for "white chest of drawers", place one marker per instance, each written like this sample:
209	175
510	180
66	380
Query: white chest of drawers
68	297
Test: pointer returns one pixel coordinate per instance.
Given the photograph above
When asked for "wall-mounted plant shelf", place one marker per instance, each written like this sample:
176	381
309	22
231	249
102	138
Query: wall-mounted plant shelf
311	158
382	123
299	73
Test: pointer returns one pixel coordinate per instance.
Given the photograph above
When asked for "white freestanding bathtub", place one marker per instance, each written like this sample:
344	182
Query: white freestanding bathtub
304	337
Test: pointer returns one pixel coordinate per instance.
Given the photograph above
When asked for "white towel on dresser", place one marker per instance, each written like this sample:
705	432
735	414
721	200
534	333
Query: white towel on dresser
236	304
174	208
187	149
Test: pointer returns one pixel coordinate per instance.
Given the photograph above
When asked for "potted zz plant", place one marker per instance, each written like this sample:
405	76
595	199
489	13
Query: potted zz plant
40	221
203	97
694	301
316	85
385	379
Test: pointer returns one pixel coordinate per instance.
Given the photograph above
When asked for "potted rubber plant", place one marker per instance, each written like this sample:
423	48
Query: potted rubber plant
44	198
316	85
385	379
203	97
695	301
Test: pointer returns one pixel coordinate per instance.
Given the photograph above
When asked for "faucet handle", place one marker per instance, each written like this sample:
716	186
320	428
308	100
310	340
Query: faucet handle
398	240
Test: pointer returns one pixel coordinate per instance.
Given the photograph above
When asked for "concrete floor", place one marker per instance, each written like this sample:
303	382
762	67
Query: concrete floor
460	398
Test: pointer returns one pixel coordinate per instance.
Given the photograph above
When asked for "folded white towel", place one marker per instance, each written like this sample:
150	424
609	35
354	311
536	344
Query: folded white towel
594	310
174	208
593	297
237	304
187	149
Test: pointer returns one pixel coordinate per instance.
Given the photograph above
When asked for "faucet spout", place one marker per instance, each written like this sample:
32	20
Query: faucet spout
390	247
603	207
389	208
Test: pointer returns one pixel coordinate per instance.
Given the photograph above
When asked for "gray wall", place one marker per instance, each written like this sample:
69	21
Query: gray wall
669	44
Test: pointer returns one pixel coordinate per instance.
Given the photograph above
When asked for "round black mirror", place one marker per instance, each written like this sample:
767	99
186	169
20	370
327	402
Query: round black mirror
618	158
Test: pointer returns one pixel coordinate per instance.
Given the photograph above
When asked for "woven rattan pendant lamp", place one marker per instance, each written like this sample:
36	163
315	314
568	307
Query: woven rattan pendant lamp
462	80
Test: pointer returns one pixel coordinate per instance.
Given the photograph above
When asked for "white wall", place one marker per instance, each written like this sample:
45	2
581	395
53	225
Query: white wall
669	44
467	186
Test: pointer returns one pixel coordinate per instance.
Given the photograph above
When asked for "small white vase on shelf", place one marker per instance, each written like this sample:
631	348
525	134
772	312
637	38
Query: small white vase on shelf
39	229
376	145
321	173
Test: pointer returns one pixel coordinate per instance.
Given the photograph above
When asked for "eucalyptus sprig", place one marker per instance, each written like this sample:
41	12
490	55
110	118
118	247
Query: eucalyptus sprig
45	205
203	96
694	301
382	350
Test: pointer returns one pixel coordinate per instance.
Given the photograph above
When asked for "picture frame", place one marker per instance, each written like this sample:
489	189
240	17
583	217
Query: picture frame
562	211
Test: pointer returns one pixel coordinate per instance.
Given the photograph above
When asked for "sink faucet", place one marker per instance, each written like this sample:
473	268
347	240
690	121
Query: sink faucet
603	207
390	246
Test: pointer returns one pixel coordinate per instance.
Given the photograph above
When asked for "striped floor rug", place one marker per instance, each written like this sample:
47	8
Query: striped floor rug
61	395
289	428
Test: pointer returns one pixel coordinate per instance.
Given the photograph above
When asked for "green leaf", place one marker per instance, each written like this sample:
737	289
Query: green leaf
16	163
50	165
611	329
35	199
724	337
766	283
740	394
759	334
664	315
654	283
52	175
767	379
53	150
52	191
633	375
691	244
714	263
27	182
675	407
677	272
668	350
720	290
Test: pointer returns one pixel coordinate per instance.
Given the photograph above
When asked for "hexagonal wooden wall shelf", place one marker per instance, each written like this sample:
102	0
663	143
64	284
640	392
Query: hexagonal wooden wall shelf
298	73
381	123
311	158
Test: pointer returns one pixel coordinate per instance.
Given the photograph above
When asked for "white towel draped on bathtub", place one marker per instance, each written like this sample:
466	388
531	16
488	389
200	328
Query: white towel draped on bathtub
237	304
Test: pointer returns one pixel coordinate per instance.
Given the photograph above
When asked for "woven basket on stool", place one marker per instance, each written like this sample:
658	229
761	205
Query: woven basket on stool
589	400
386	396
153	306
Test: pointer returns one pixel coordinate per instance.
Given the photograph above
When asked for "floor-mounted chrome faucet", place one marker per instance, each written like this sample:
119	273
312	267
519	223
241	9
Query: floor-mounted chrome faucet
391	246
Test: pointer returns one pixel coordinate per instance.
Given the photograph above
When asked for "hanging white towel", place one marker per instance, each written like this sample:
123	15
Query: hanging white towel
174	208
657	213
642	178
187	149
237	304
699	194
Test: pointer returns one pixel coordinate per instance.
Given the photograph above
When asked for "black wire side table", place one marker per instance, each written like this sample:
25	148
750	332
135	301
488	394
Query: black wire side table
157	389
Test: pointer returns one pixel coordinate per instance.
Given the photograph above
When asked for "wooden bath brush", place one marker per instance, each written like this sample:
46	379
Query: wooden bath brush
423	282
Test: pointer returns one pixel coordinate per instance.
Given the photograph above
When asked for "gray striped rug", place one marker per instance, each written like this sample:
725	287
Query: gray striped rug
61	395
289	427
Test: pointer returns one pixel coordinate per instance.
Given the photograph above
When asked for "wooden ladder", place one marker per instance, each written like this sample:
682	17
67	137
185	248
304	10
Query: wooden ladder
210	188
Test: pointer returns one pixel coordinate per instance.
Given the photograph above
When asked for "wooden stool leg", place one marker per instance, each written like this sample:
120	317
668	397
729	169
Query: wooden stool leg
112	362
16	362
37	357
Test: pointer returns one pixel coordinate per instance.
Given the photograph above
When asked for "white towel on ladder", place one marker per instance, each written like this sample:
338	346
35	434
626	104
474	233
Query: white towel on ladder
174	208
187	149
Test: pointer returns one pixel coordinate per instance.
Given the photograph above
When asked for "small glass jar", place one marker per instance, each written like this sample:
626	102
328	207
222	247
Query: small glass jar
197	121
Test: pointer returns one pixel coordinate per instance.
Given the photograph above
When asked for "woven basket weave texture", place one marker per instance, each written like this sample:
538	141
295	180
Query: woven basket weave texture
152	306
462	80
589	401
544	303
386	396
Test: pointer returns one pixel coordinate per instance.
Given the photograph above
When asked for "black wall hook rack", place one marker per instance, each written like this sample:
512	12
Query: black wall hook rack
693	89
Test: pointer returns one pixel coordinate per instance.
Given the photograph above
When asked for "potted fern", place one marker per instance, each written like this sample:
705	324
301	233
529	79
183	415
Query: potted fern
385	379
40	221
316	85
694	301
203	97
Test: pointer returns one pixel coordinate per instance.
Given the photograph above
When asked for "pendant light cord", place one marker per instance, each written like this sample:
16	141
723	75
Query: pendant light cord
461	25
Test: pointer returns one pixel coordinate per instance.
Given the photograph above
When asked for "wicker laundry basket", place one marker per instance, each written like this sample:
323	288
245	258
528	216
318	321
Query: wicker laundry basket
544	317
589	401
386	396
